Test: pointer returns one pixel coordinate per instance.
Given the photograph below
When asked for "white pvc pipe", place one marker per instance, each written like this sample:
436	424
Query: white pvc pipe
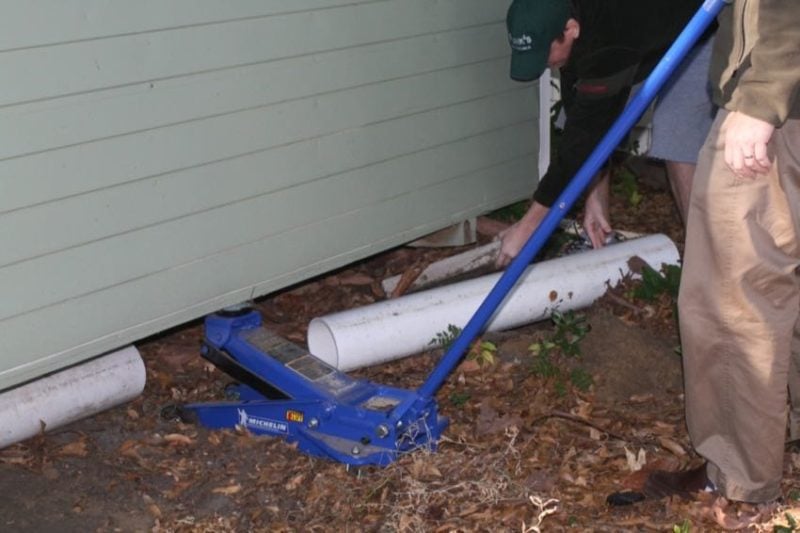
403	326
71	394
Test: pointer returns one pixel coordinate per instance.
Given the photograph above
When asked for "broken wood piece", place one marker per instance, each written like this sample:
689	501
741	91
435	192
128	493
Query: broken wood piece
447	268
404	282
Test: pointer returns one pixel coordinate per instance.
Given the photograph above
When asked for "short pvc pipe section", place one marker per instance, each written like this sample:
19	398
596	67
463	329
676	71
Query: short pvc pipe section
71	394
395	328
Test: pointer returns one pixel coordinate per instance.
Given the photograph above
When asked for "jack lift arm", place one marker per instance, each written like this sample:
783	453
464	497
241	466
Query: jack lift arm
285	391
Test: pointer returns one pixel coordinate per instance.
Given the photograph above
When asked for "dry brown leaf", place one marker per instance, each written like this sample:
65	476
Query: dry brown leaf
590	499
404	522
295	482
489	421
672	446
129	448
177	439
645	522
432	471
504	385
22	459
469	510
469	366
78	448
635	480
177	489
583	410
641	398
663	427
154	510
228	490
728	519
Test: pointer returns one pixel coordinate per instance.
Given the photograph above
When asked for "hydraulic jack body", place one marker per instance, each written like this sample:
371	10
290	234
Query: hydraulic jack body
284	391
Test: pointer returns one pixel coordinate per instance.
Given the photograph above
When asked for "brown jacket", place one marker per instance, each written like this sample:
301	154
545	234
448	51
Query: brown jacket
756	64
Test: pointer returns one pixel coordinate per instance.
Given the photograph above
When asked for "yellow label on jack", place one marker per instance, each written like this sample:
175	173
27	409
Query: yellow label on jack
294	416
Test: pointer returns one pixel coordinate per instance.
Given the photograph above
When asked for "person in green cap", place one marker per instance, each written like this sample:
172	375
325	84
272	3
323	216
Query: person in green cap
602	48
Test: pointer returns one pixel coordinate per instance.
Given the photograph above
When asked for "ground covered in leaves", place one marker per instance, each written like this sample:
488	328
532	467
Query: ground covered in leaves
557	416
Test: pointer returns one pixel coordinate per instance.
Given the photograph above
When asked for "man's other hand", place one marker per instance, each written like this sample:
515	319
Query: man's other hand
746	139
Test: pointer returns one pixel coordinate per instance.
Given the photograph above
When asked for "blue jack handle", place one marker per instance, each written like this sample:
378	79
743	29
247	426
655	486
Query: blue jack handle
685	41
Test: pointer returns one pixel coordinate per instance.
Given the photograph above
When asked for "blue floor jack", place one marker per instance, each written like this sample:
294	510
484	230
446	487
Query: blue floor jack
284	391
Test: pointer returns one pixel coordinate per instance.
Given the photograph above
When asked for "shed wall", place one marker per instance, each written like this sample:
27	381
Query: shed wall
160	160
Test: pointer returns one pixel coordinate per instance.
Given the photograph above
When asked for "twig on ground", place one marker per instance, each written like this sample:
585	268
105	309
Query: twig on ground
624	303
580	420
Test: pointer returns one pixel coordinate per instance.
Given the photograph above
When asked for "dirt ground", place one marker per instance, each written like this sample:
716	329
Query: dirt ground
526	450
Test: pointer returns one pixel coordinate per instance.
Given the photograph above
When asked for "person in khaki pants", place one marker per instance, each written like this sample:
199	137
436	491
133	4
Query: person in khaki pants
739	301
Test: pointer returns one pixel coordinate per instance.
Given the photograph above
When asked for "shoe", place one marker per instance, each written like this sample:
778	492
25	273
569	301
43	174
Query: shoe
685	483
626	497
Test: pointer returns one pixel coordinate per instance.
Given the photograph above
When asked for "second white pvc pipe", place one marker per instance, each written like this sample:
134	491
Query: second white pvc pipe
395	328
71	394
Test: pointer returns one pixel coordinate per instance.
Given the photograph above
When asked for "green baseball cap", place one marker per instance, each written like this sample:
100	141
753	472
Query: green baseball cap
532	27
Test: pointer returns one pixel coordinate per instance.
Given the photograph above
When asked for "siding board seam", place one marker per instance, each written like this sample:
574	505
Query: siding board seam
190	26
245	109
249	152
242	65
228	250
428	148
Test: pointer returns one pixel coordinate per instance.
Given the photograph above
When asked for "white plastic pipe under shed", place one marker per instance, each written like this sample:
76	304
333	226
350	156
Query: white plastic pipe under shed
77	392
403	326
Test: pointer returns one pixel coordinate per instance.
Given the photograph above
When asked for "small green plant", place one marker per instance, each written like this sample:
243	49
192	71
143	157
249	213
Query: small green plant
625	185
459	399
581	379
569	330
683	527
654	283
791	526
483	353
444	339
543	365
794	495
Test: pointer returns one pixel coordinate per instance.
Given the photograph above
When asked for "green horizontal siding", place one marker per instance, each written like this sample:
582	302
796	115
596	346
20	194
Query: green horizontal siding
159	160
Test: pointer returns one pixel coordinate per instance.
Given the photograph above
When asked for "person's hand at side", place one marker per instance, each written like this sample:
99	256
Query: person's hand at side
515	237
595	214
746	139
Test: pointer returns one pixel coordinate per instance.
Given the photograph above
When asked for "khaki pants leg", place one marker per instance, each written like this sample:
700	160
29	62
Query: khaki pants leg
794	386
738	304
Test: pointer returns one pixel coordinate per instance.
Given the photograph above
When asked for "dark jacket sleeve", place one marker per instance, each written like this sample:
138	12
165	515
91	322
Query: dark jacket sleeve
592	102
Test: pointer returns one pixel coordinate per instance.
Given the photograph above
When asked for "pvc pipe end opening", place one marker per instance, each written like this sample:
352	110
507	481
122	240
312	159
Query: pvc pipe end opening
322	342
